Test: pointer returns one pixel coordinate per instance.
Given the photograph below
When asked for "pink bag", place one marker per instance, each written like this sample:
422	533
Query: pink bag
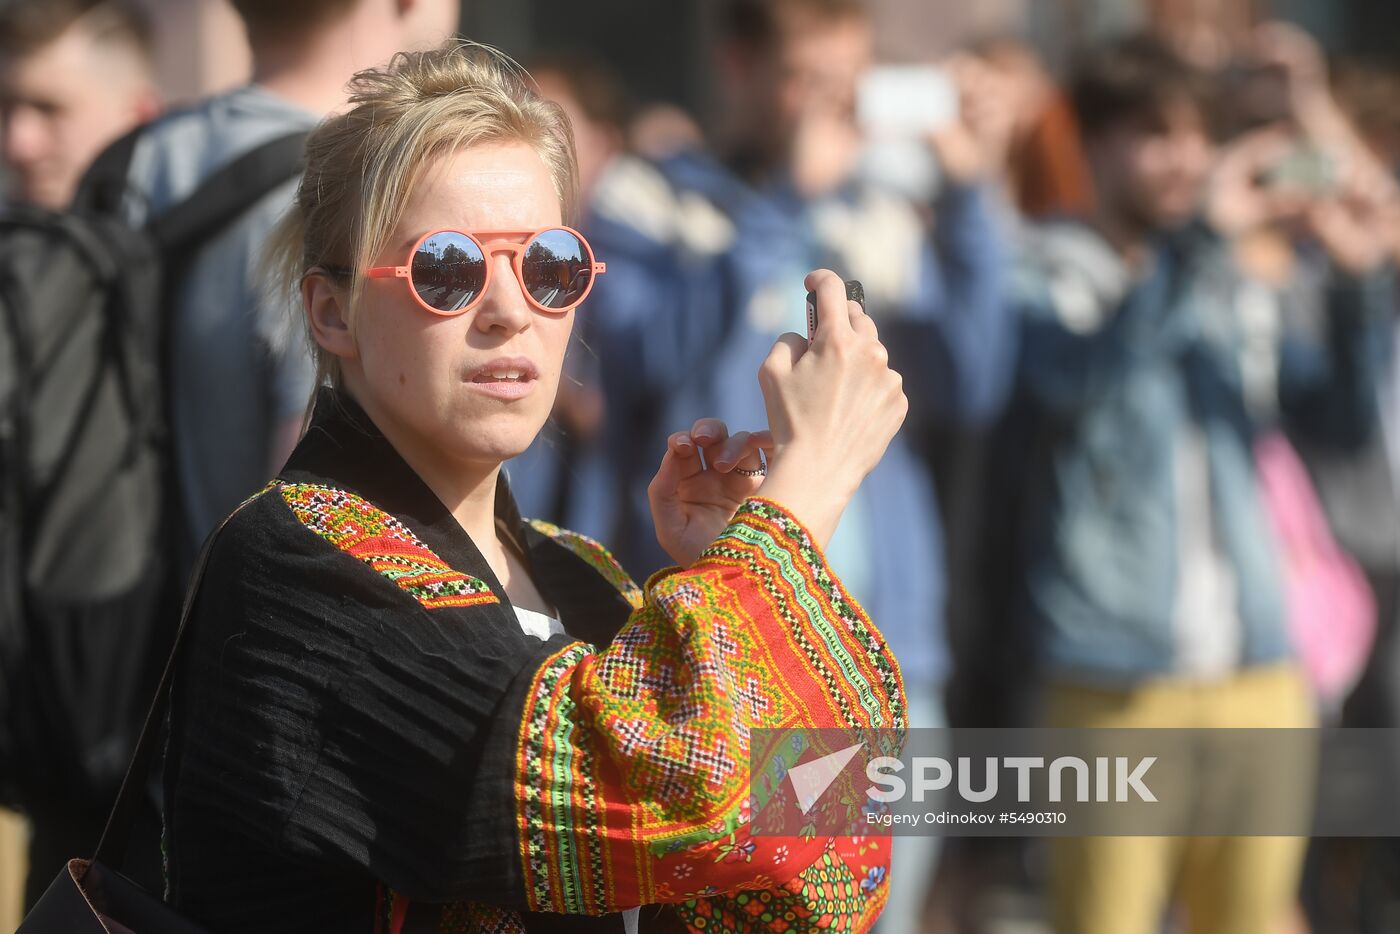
1331	610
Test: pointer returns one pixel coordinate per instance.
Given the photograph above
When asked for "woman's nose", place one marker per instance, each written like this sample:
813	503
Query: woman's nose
504	309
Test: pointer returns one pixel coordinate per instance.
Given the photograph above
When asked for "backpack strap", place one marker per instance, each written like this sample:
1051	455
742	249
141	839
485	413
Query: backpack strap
228	193
221	198
107	180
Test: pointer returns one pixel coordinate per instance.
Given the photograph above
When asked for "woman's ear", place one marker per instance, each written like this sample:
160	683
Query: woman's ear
327	306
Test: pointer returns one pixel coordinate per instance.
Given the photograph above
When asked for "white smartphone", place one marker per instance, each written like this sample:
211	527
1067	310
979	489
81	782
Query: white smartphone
905	100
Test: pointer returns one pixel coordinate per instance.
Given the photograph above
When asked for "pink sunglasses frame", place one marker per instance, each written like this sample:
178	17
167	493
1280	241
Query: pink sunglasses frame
491	242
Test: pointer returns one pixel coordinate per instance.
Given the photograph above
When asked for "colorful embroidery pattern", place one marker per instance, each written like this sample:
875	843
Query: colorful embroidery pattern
632	770
359	528
392	911
825	896
548	770
829	612
598	557
476	918
681	708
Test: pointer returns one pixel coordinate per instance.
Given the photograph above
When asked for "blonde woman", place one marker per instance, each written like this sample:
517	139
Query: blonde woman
402	707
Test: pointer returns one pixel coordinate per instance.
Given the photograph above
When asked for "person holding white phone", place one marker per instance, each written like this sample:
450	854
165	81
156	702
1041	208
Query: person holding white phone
1155	572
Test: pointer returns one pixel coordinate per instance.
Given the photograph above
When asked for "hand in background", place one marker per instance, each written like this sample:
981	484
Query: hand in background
1297	55
1315	175
1358	222
1241	197
978	143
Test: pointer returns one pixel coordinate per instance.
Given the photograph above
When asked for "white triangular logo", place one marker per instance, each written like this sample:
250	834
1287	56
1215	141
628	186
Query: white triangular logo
810	780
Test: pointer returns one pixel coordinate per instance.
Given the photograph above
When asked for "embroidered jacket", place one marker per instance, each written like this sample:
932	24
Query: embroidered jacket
363	739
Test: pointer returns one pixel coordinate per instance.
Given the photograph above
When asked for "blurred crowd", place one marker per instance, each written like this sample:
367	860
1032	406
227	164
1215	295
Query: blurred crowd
1145	313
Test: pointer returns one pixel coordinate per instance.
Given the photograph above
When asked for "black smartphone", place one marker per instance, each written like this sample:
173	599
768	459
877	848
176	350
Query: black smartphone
855	292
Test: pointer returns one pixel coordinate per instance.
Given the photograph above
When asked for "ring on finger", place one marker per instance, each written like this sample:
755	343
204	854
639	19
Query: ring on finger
760	471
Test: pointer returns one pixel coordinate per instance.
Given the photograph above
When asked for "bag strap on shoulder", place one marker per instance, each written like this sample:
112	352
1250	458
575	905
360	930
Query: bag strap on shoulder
229	192
105	183
111	849
214	204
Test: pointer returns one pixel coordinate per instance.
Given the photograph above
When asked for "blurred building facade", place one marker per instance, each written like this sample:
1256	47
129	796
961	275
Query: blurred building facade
662	49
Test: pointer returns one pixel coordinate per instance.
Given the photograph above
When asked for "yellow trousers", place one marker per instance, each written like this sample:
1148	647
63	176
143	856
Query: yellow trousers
14	849
1230	885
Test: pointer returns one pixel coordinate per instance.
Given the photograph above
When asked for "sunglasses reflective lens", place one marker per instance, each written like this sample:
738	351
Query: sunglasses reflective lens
448	271
557	269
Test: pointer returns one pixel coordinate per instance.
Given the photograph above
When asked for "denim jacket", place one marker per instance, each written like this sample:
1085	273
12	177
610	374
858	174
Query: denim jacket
1119	369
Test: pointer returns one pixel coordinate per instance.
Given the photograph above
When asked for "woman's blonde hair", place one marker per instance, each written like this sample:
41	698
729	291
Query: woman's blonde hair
363	165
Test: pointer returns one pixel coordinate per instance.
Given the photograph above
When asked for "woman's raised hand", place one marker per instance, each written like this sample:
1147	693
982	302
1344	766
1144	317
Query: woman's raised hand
833	408
694	495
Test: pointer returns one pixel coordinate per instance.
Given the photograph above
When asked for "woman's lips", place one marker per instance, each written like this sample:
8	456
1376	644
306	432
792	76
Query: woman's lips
504	377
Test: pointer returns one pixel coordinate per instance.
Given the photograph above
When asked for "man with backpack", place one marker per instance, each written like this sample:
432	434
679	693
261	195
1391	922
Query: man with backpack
239	378
145	389
74	76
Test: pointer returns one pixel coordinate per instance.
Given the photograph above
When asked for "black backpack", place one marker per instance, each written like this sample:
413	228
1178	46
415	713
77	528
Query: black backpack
87	504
